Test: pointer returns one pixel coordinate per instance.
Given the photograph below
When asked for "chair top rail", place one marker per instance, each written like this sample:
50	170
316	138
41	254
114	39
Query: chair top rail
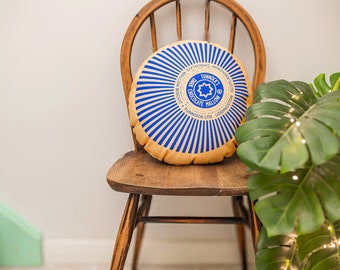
148	12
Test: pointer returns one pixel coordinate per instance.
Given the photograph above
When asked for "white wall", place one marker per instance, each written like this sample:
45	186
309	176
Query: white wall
63	120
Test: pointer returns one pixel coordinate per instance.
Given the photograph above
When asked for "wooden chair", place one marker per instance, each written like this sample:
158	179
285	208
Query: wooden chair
142	176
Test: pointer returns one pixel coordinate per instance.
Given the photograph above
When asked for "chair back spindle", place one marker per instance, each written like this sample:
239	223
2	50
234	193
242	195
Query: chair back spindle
232	33
207	20
178	20
153	32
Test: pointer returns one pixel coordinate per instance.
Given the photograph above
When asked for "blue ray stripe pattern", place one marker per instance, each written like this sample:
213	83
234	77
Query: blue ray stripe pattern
191	96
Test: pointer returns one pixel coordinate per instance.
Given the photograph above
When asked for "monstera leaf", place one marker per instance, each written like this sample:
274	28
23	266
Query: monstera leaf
291	141
300	200
320	250
288	128
277	252
321	87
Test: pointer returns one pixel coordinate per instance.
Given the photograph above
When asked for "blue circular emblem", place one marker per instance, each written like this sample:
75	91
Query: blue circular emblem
204	90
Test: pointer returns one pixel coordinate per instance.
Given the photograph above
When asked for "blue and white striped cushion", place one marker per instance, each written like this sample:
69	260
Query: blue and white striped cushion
187	100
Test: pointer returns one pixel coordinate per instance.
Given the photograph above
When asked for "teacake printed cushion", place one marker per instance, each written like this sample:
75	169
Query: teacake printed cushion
186	101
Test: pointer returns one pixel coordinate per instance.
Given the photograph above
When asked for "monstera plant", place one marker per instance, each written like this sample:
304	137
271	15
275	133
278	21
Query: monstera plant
291	142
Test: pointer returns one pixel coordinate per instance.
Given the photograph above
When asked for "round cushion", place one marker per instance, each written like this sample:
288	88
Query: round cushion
186	101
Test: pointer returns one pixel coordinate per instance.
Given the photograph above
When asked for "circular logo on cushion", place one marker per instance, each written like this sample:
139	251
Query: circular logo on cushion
205	90
189	98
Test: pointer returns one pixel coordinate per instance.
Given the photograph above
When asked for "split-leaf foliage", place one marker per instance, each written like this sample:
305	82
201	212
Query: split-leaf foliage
291	140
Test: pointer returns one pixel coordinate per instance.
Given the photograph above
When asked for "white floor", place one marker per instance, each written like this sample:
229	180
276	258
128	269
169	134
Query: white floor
154	267
96	255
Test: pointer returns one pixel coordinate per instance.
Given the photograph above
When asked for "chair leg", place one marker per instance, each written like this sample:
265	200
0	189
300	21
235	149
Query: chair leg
143	211
237	201
124	235
255	224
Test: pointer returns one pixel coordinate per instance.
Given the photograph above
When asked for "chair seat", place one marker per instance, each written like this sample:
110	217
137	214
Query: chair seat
129	174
